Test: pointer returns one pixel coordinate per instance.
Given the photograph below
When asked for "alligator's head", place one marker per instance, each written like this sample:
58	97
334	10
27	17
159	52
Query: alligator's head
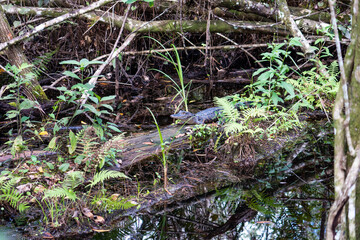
187	117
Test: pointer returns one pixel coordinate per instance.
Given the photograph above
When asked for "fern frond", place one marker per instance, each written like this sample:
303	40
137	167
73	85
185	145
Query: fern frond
8	193
60	192
104	175
9	184
252	113
73	179
41	62
234	127
334	69
229	110
13	197
109	204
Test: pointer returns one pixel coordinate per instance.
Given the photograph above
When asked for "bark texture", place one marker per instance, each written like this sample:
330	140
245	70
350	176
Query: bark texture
17	57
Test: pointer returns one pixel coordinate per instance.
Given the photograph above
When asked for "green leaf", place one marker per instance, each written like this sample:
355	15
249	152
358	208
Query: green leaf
26	104
71	74
24	11
288	87
95	62
79	159
77	112
266	75
73	142
16	23
94	99
259	71
92	109
114	128
50	165
47	175
84	62
108	98
63	167
128	1
275	98
295	42
108	107
70	62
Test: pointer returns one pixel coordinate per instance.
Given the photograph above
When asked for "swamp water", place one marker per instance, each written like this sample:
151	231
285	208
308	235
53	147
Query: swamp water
219	217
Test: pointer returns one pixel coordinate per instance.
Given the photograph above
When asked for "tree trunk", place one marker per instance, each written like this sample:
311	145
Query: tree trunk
16	57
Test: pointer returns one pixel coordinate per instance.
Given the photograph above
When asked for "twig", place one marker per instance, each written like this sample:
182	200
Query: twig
247	52
52	22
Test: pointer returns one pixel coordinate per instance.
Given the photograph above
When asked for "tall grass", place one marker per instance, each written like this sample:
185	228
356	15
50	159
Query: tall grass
182	90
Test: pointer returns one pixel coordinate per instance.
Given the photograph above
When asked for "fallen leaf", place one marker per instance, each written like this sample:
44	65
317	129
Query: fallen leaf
39	189
99	219
43	133
101	230
87	212
24	188
114	197
180	135
148	143
47	235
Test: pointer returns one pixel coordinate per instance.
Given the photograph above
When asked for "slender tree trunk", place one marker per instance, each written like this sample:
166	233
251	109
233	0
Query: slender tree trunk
16	57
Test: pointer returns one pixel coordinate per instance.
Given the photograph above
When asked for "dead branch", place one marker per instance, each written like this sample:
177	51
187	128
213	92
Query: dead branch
52	22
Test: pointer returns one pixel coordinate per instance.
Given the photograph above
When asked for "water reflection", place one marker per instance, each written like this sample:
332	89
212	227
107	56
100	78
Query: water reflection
233	213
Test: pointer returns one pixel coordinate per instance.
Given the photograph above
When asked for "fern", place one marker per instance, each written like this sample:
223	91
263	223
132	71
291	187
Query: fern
73	179
60	192
104	175
234	127
41	62
9	194
229	111
334	69
109	204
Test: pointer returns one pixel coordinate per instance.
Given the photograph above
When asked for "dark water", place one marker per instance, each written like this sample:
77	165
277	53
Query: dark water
292	218
7	233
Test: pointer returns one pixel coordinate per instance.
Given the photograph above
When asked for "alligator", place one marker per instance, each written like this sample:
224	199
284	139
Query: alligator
204	116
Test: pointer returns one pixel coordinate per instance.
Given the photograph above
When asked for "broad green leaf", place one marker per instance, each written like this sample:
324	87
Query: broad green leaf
26	104
70	62
71	74
50	165
12	114
77	112
84	62
62	89
16	23
108	107
52	143
79	159
114	128
63	167
295	42
288	87
275	98
259	71
73	142
24	11
92	109
108	98
94	99
266	75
